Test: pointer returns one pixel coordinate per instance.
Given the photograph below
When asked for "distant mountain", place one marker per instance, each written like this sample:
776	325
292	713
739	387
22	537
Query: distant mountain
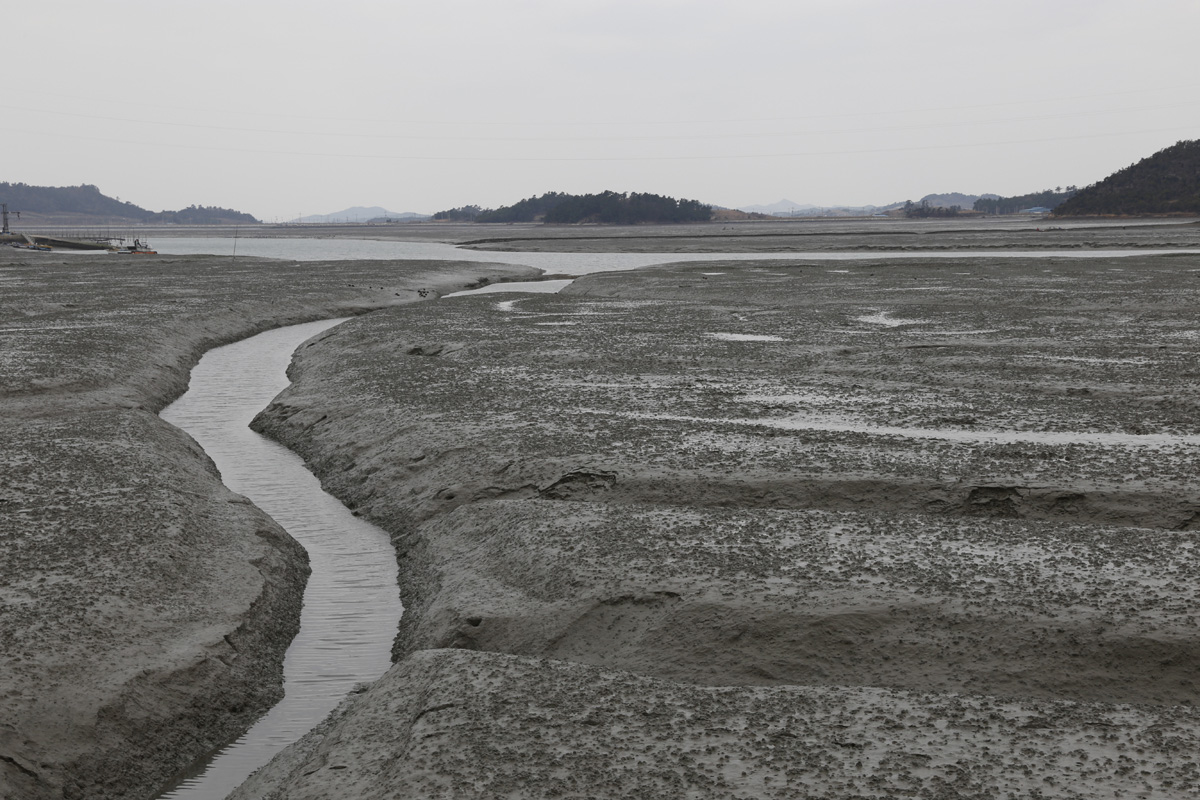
736	214
781	208
1167	182
951	199
788	208
364	214
85	203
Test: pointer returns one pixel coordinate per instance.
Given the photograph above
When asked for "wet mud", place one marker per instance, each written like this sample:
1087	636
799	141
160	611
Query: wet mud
144	608
880	528
955	487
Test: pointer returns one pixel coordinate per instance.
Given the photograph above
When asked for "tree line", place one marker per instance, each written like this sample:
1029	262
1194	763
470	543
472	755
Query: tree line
88	200
923	210
1047	198
612	208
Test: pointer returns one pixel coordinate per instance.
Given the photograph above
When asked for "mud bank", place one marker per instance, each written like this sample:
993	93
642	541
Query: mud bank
451	724
831	235
144	608
628	477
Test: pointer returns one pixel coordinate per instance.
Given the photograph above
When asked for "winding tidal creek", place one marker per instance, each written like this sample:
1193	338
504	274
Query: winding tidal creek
351	603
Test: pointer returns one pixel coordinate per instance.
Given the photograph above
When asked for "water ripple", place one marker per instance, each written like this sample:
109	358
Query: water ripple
351	603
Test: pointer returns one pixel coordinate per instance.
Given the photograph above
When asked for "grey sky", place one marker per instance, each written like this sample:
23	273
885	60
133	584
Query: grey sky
283	108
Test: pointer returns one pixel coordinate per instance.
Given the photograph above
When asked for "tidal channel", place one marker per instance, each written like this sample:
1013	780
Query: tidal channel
351	603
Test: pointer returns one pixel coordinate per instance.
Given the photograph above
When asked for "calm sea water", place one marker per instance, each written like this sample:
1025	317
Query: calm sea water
564	263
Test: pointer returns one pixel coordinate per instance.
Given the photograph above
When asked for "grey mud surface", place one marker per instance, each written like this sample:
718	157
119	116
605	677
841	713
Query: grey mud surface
144	609
891	235
776	529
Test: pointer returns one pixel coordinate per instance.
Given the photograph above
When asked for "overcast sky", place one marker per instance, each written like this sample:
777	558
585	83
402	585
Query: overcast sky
288	108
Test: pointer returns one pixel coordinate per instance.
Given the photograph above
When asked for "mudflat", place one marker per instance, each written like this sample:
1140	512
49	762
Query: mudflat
915	527
833	235
872	528
144	608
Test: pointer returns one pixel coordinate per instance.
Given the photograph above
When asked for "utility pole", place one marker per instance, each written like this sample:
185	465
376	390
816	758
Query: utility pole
4	206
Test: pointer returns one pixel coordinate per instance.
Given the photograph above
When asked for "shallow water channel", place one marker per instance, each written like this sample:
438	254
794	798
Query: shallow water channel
351	602
338	249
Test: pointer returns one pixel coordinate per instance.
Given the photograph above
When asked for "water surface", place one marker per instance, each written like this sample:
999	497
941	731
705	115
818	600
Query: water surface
351	602
564	263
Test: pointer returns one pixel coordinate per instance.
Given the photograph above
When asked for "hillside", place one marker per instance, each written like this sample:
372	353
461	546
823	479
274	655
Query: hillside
1167	182
86	202
1048	198
952	199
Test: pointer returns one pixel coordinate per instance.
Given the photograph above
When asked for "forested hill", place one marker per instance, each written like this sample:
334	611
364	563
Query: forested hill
614	208
1167	182
1048	198
88	201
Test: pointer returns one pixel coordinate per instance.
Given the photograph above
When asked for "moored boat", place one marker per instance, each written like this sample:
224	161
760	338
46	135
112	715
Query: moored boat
138	248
